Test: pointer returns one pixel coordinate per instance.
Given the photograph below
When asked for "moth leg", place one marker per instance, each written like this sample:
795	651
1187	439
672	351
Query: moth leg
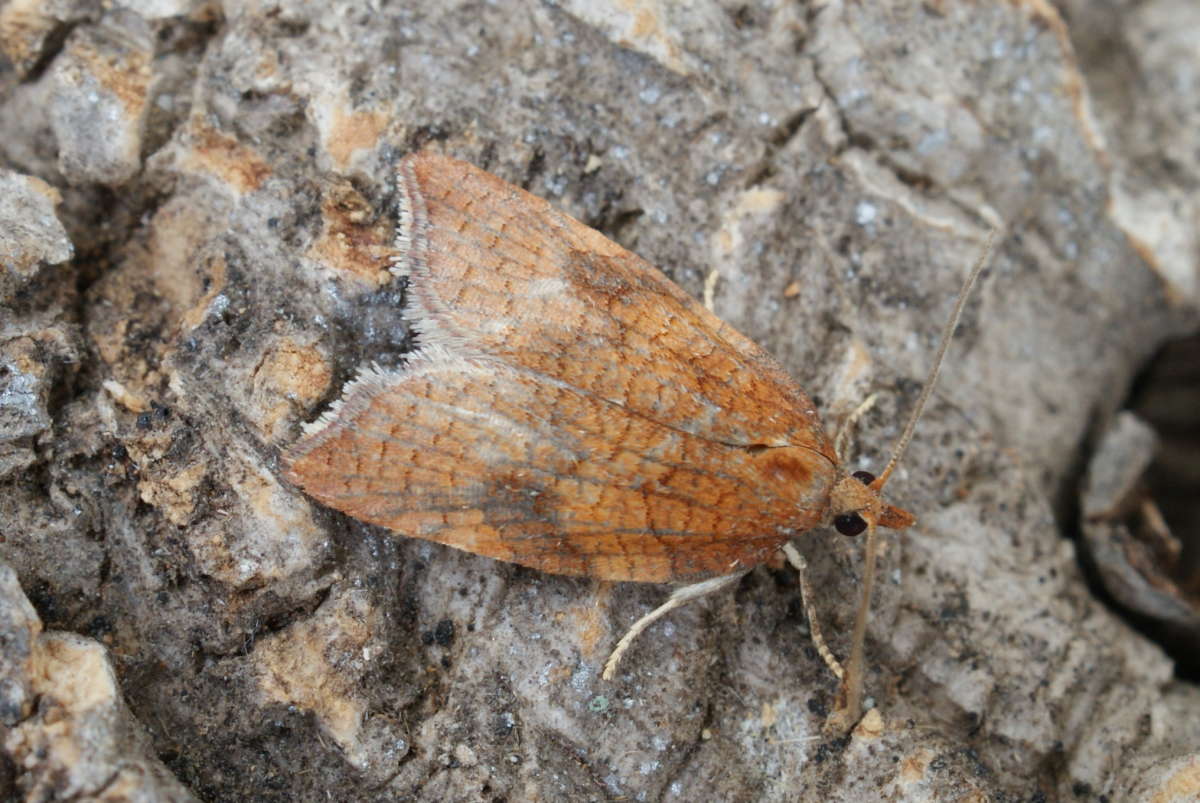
806	595
710	290
841	441
847	708
678	598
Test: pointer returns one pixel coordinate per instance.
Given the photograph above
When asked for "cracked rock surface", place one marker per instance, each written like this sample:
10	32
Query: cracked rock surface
195	229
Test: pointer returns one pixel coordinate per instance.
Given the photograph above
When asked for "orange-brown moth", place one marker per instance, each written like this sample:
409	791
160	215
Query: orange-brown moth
571	409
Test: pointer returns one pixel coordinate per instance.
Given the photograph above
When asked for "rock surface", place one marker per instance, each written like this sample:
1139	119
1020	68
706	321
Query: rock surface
67	729
222	174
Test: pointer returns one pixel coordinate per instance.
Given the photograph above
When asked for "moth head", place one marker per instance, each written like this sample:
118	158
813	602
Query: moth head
855	503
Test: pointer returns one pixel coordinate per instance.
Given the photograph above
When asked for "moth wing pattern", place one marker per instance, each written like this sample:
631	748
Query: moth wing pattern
493	459
501	270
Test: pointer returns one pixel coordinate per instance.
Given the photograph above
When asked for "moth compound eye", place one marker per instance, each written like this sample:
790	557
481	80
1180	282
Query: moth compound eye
865	477
850	524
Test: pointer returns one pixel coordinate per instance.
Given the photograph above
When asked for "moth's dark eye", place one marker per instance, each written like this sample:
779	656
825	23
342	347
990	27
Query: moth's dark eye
865	477
849	524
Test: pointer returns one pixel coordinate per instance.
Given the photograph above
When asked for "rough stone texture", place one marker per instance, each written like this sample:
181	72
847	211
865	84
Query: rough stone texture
1127	541
66	726
21	628
1136	55
101	82
1167	399
224	174
31	29
32	359
32	236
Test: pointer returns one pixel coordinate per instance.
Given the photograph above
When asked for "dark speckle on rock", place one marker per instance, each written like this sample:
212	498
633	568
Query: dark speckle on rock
443	634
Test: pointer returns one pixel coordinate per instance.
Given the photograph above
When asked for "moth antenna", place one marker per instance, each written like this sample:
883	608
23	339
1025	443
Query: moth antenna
931	380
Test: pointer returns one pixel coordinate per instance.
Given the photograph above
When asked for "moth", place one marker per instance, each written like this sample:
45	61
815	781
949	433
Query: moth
571	409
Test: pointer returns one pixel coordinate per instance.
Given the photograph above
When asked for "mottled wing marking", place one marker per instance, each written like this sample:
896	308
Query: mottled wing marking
517	279
497	460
